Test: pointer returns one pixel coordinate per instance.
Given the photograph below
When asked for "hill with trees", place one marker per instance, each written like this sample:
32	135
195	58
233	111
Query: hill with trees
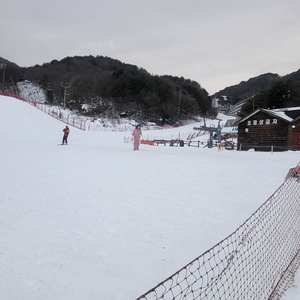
248	88
112	88
12	72
108	86
264	91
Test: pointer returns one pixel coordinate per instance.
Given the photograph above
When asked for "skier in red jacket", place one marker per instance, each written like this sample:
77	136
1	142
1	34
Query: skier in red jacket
66	134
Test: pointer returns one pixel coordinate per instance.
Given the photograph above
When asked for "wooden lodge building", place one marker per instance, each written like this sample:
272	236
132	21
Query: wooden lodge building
270	130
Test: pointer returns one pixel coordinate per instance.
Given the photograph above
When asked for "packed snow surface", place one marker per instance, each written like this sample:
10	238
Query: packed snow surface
97	220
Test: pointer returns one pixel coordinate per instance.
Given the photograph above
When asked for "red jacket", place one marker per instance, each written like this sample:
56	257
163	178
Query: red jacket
66	131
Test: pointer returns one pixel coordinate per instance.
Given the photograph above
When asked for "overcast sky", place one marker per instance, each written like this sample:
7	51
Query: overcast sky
217	43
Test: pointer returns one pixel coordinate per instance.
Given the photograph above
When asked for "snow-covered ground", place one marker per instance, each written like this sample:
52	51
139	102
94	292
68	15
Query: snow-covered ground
97	220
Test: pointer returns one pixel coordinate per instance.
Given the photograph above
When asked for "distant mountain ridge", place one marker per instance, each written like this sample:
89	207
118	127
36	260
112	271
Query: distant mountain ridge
248	88
258	84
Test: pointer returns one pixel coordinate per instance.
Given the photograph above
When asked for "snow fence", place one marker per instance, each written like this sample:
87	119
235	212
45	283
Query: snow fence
258	261
53	111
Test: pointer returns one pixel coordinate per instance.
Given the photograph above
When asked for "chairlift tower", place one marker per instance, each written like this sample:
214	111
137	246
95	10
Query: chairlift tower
211	129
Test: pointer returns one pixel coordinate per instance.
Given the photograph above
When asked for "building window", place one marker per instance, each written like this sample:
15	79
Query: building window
246	129
254	122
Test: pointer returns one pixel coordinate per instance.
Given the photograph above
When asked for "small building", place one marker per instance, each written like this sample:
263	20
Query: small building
270	130
229	128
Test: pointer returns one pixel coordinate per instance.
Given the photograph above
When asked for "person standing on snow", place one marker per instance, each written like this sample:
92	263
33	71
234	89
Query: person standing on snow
219	138
66	134
137	132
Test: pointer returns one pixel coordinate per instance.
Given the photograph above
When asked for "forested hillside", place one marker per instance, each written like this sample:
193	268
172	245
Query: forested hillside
12	72
248	88
265	91
114	88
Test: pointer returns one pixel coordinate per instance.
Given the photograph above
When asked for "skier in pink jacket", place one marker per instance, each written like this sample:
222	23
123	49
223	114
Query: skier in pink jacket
137	132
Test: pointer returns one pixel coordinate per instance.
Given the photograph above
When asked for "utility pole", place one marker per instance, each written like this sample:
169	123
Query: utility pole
66	86
2	67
